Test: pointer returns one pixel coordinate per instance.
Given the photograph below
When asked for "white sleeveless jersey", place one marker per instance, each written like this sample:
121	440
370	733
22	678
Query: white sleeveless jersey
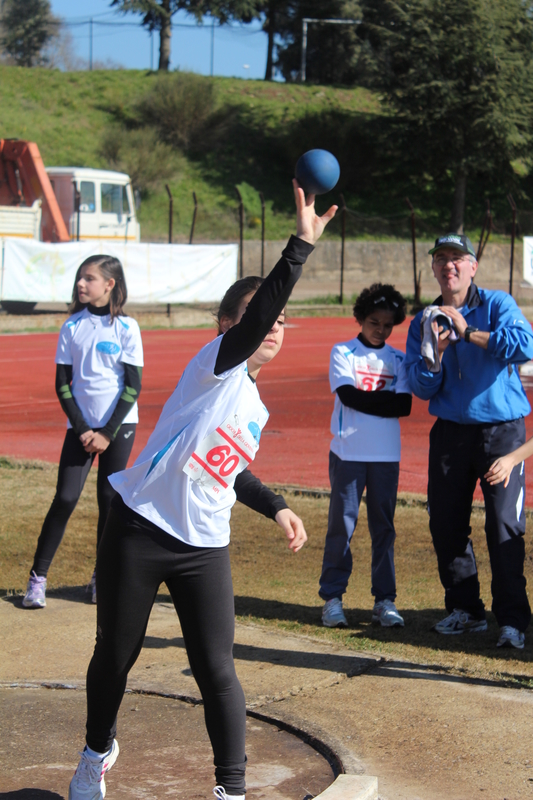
97	348
207	433
358	436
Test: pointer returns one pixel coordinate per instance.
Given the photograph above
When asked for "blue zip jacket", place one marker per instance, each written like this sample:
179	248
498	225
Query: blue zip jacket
476	386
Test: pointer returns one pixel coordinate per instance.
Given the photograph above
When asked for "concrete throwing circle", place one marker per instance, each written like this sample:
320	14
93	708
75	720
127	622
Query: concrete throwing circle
164	751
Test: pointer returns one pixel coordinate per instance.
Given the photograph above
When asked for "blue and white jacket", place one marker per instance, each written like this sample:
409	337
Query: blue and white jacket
476	386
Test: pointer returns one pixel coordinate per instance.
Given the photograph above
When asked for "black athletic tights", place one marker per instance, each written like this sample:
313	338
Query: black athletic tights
131	565
74	466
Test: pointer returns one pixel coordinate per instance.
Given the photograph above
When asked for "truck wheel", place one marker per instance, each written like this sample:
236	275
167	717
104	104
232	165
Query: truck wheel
17	306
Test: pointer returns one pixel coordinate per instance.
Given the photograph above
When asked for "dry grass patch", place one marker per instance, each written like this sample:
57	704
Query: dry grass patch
277	588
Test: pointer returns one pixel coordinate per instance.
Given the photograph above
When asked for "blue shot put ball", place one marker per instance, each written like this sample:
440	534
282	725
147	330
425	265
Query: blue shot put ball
317	171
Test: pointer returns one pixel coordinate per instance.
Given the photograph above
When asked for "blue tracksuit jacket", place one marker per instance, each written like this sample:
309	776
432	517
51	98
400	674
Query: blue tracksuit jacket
474	385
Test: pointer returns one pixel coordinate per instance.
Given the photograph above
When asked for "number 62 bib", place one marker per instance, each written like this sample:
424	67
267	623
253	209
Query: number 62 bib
218	459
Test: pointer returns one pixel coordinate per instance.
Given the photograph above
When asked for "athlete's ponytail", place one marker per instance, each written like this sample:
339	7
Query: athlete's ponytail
231	302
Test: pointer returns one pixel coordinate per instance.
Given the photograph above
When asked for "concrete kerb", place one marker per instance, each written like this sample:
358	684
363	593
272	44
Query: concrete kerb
351	787
344	787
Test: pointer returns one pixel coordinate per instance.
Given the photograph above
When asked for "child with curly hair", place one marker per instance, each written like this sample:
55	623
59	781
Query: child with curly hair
371	393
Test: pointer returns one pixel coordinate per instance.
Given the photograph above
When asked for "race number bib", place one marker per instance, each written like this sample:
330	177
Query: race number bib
220	457
372	375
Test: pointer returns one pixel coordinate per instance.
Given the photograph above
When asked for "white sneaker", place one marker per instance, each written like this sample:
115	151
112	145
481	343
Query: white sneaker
386	613
460	621
220	792
333	615
88	782
35	596
511	637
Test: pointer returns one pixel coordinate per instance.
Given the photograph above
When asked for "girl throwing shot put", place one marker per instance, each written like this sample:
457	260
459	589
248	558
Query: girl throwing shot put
170	522
99	362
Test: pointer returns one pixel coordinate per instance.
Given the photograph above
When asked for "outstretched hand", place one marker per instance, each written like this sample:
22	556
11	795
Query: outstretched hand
309	226
293	527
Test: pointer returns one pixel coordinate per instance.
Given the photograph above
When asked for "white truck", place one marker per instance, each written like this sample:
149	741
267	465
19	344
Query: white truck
106	203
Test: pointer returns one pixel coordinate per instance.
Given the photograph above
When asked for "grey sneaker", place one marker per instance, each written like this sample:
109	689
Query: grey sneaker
333	615
35	596
88	782
220	793
386	613
460	621
511	637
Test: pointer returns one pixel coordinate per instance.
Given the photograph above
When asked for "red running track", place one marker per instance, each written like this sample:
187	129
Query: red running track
295	389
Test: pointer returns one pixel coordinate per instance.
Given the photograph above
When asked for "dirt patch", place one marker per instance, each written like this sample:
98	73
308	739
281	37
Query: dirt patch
427	733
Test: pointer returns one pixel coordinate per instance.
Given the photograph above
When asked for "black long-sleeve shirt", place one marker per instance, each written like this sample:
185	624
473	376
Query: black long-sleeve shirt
243	339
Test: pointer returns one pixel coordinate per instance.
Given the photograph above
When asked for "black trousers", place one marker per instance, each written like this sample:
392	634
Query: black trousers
131	566
459	456
74	466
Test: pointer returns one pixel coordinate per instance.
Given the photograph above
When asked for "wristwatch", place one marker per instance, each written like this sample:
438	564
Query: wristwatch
469	329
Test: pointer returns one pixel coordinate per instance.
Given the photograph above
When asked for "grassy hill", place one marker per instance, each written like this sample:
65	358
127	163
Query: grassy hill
219	133
72	115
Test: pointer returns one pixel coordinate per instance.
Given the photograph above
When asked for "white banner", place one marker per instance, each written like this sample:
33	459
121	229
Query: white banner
155	273
528	259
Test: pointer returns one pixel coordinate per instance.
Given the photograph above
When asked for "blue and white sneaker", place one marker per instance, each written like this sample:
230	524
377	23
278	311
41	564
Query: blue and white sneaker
511	637
386	613
35	596
88	782
333	615
460	621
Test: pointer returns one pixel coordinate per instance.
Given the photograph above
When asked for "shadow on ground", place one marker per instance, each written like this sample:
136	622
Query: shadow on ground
31	794
74	594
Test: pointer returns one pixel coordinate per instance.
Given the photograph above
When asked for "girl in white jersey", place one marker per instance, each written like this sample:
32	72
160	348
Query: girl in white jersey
99	361
170	522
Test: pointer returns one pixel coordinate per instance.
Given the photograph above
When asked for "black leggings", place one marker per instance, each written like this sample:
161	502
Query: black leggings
131	566
74	466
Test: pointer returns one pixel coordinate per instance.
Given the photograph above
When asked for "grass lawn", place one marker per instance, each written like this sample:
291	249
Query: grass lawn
277	588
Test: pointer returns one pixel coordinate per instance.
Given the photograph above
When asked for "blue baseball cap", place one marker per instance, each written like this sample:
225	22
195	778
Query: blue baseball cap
456	240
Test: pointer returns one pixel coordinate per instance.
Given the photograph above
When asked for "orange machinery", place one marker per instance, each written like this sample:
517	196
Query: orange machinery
23	180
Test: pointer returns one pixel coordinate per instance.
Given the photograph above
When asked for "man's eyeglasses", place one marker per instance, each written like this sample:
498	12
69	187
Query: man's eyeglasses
441	261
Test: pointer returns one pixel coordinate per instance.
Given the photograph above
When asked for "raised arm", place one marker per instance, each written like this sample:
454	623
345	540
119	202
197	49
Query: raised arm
243	339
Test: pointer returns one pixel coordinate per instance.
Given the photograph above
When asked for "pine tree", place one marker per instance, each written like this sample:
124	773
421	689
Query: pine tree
458	74
333	51
27	27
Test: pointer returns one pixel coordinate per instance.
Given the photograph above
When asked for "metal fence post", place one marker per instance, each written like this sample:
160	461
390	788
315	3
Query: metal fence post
77	203
191	235
170	212
485	232
343	240
513	235
262	198
241	233
416	276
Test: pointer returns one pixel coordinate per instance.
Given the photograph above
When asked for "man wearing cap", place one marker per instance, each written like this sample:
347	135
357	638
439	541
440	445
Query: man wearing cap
480	406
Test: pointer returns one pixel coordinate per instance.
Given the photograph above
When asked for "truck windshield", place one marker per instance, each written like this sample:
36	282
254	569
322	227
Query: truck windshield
87	204
114	199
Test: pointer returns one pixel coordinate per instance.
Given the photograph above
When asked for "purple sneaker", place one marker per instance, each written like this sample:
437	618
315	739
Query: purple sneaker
35	596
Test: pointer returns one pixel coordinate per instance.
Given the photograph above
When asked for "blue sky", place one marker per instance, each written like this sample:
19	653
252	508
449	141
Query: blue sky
129	45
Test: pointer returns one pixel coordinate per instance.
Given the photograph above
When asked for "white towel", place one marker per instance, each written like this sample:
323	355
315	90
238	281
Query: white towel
429	331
